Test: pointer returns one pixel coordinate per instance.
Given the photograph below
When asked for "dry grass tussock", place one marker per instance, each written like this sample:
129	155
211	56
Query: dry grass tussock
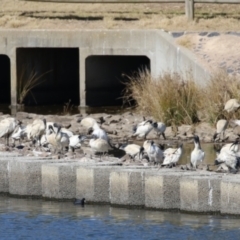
219	89
169	98
169	16
186	42
175	100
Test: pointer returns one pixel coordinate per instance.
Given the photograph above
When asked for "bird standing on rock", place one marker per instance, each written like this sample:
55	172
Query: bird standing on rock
153	151
99	145
143	129
131	149
160	128
220	129
230	156
232	105
7	127
172	156
197	154
36	130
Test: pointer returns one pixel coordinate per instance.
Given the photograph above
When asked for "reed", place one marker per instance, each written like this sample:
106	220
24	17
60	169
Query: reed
219	89
169	98
27	83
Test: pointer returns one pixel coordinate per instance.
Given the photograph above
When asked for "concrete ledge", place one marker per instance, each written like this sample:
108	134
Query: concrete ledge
200	193
162	189
127	188
25	176
230	195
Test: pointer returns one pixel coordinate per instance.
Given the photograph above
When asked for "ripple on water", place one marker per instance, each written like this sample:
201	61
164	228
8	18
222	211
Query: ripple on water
37	219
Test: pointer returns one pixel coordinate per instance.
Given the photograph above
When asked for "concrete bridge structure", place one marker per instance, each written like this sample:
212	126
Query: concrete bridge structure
87	66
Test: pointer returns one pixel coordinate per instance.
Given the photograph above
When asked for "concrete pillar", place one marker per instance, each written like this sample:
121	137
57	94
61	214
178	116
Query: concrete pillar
127	187
230	189
13	64
200	193
82	60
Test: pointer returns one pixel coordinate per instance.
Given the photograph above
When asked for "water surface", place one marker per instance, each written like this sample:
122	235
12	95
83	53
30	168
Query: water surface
38	219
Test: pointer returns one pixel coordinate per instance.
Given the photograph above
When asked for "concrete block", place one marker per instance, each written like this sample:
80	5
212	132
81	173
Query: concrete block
162	190
25	176
93	183
200	193
230	200
127	187
59	180
4	181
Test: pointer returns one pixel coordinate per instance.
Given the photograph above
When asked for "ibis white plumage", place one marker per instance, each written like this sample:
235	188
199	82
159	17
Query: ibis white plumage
131	149
172	156
220	129
7	127
230	156
143	129
232	105
197	155
159	128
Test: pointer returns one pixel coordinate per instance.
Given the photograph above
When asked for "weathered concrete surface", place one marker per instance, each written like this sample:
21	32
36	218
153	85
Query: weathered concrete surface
127	187
107	182
230	199
157	45
200	193
25	176
162	188
93	182
68	180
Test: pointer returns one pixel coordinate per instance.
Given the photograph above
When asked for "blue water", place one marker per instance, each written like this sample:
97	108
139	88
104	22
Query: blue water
37	219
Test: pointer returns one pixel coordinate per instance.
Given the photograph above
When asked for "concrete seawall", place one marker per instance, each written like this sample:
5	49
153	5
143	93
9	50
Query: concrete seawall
128	186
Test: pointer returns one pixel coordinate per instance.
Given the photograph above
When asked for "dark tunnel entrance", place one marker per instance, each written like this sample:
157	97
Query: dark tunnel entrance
56	71
5	89
105	77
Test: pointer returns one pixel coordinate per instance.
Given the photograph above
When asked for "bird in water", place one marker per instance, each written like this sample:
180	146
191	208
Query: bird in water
80	202
197	155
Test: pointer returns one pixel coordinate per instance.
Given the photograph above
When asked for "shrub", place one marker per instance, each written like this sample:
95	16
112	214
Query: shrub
168	98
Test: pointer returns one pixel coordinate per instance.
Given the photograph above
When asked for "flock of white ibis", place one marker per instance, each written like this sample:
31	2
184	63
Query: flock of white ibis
53	137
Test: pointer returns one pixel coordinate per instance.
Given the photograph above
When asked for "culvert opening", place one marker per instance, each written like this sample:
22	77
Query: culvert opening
5	89
106	75
55	71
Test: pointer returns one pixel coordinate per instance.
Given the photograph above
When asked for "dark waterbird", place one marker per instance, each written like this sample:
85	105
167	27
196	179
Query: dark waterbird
79	202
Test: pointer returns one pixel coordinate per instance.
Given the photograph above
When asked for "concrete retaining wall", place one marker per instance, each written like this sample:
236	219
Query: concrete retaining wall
99	183
157	45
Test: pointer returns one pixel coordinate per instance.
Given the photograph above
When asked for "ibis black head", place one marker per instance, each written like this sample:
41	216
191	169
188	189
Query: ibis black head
216	162
152	142
79	120
181	145
90	130
215	136
141	151
45	122
155	124
196	138
149	121
81	138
